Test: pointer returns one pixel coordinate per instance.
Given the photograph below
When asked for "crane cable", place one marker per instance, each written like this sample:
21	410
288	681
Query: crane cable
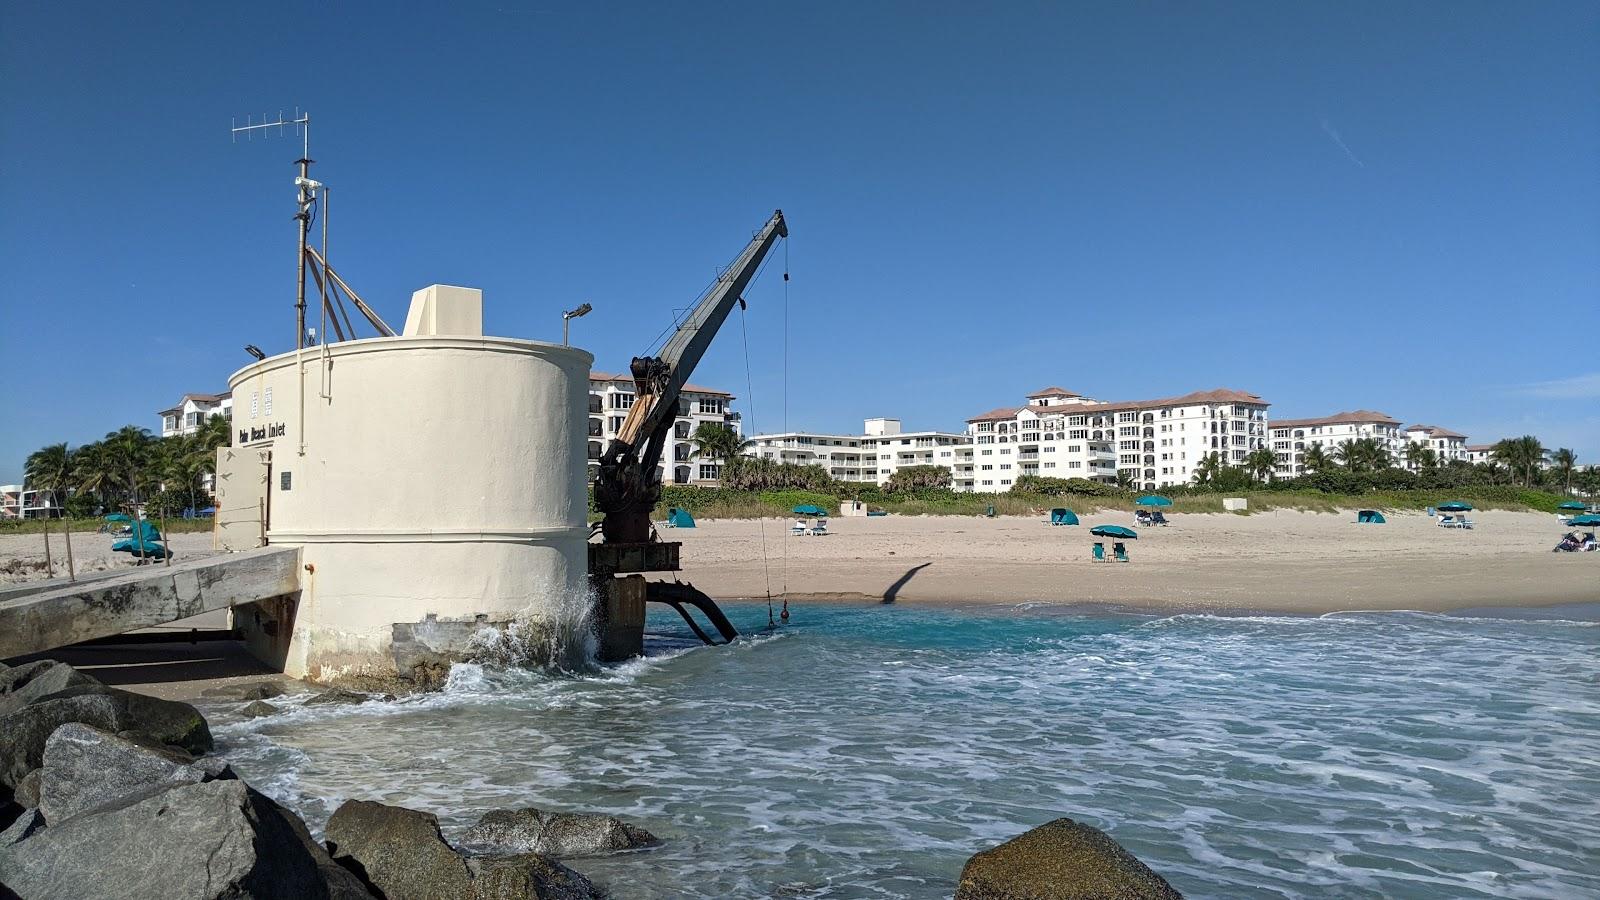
785	392
750	394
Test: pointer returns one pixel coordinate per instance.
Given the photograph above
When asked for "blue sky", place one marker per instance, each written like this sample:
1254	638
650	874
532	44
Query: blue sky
1389	206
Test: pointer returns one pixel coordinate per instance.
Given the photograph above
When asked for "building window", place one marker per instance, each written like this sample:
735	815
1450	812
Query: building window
620	400
708	472
253	401
616	423
169	423
711	405
596	404
267	402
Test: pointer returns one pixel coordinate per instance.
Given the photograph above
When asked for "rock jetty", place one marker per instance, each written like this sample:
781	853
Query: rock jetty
107	794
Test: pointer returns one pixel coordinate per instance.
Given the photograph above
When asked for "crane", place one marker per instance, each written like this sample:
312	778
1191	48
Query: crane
627	487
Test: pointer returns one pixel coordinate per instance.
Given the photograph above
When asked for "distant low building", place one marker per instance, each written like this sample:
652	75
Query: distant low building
193	410
610	398
1291	438
1447	446
874	455
1479	453
20	502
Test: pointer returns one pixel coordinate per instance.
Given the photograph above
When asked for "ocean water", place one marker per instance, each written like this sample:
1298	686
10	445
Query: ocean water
867	751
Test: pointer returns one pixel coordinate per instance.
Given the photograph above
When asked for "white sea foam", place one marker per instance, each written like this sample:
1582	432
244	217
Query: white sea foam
868	752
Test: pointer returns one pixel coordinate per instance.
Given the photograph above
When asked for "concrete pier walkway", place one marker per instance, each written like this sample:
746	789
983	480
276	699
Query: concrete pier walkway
39	617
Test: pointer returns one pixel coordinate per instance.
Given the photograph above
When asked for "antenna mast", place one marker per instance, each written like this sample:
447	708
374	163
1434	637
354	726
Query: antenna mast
307	193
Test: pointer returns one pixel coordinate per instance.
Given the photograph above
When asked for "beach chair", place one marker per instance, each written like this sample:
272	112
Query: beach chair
820	528
1099	552
799	527
1464	522
1159	518
1141	518
1447	522
1120	550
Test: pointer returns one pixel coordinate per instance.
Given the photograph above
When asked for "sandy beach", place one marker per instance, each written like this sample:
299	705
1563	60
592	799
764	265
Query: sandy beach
1278	561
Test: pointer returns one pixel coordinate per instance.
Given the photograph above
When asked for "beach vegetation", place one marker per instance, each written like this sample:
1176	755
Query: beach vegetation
913	478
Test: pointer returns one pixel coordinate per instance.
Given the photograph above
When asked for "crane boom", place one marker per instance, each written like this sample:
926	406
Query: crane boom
627	489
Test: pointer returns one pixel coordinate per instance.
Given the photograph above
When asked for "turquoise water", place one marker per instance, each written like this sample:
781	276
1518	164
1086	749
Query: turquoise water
867	751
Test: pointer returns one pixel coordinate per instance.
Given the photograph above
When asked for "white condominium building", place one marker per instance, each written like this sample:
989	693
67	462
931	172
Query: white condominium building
610	398
1291	438
872	456
1479	453
194	409
20	502
1448	446
1061	434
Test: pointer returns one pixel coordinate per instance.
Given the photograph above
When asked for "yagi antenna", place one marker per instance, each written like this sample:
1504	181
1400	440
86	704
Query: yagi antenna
300	122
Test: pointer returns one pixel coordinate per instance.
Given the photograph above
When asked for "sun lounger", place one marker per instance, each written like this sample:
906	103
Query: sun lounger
1464	522
1158	518
1447	522
1121	551
799	527
1142	518
1099	552
820	528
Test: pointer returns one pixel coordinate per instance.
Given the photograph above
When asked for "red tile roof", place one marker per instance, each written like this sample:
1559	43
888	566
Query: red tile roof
1054	392
1355	417
628	380
1219	395
1435	431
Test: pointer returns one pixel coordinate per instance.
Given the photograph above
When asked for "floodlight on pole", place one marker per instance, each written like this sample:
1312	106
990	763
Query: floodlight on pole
568	316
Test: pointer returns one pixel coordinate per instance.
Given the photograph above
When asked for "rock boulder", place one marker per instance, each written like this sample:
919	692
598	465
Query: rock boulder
24	732
87	769
555	834
1061	860
401	855
255	709
199	841
26	683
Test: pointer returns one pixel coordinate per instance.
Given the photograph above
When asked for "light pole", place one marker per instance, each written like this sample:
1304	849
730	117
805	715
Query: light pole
568	316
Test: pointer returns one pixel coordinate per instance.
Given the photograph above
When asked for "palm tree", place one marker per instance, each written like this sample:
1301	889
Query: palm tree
1261	463
1363	455
1125	479
1522	454
49	469
1315	459
128	449
1422	457
1209	467
1564	461
92	470
717	442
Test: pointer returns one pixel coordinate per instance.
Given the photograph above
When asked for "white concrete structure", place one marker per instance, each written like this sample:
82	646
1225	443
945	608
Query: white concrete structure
1061	434
192	411
610	398
434	483
20	502
1291	438
1479	453
1447	446
874	455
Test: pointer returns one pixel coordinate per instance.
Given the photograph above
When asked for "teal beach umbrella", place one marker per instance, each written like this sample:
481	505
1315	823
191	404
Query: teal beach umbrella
1153	500
1114	531
1455	506
1573	504
1585	519
809	509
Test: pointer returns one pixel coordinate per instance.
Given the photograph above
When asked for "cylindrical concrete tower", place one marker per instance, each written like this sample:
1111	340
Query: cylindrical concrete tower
434	481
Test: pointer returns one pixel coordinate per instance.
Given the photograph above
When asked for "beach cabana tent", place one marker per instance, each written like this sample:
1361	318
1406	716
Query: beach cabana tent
679	518
1153	500
1371	517
1062	516
1455	506
1585	519
119	517
1114	531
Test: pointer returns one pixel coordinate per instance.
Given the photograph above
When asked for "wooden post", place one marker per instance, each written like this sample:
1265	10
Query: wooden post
49	565
166	539
72	571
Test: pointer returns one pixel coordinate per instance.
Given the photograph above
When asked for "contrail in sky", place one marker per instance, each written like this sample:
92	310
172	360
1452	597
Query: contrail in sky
1332	132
